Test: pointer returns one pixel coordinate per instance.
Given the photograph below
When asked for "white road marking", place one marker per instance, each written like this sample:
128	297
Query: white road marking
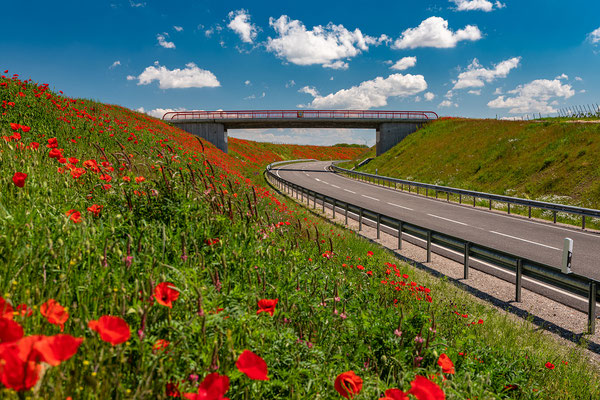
317	179
397	205
448	219
525	240
325	182
337	187
350	191
369	197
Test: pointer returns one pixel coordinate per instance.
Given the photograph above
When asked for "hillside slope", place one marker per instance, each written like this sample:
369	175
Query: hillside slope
553	161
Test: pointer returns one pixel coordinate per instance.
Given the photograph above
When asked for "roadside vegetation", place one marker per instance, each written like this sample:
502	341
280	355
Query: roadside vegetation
138	261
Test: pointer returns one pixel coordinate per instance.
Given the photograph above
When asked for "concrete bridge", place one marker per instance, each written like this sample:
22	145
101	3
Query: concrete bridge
391	126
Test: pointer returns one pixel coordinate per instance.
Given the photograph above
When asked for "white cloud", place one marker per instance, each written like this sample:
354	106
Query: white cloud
562	76
369	94
475	92
404	63
480	5
429	96
191	76
594	36
309	90
159	112
239	22
208	33
448	103
136	5
324	45
115	64
533	97
417	99
434	32
247	83
578	78
290	83
498	91
163	41
177	28
476	75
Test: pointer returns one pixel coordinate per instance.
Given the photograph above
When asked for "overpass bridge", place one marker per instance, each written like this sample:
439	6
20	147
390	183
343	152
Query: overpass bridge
391	126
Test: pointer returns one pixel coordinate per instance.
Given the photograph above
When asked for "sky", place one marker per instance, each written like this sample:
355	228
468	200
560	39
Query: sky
468	58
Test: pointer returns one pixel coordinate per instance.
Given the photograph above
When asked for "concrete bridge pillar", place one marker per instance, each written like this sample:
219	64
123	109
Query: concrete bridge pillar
390	134
211	132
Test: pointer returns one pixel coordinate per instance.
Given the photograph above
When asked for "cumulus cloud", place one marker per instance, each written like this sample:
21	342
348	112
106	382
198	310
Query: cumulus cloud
476	76
562	76
404	63
475	92
137	5
448	103
239	22
190	76
434	32
115	64
369	94
324	45
290	83
158	112
247	83
429	96
534	97
162	40
594	36
480	5
177	28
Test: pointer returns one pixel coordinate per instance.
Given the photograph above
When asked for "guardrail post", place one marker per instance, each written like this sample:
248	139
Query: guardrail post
474	199
436	194
460	198
529	211
323	203
315	201
448	197
490	204
592	309
346	212
360	212
400	235
519	275
395	188
333	208
378	226
428	246
554	212
466	260
307	197
583	222
508	208
426	192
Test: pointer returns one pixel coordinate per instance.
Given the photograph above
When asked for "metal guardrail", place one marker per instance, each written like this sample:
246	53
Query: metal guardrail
300	114
573	283
555	208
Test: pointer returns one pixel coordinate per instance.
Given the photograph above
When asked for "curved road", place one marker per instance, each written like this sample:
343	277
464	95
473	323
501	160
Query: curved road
535	240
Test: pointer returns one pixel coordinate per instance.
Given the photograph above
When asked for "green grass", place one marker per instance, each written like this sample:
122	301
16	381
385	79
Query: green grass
160	230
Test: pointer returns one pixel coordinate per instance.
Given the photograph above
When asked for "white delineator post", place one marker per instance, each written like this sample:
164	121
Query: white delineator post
567	256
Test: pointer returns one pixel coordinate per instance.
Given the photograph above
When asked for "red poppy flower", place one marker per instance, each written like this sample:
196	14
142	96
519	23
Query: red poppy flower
160	344
55	153
24	311
446	363
95	209
423	389
6	310
395	394
127	179
16	373
106	177
549	365
55	313
172	389
139	179
267	305
19	179
252	365
14	126
25	128
77	172
74	216
55	349
73	160
10	331
213	387
34	145
165	294
113	330
370	253
52	143
211	242
348	384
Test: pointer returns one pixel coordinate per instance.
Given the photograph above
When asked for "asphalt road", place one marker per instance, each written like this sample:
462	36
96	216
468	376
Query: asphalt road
535	240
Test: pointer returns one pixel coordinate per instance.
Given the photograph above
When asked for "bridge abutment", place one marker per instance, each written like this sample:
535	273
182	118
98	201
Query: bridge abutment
211	132
390	134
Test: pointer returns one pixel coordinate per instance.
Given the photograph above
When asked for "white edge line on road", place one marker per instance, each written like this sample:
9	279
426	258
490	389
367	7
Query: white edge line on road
349	191
369	197
448	219
397	205
525	240
337	187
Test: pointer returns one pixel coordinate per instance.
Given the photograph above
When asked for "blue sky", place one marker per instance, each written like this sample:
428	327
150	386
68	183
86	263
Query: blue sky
471	58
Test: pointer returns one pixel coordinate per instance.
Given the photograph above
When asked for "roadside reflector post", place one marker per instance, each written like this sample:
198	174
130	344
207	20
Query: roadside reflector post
378	225
399	235
592	309
518	277
583	222
466	262
567	256
360	212
428	246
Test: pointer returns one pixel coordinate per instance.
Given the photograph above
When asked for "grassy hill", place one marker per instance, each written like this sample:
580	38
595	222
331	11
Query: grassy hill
553	161
137	261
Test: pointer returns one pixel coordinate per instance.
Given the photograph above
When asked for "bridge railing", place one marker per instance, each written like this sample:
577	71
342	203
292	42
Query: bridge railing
463	193
576	284
300	114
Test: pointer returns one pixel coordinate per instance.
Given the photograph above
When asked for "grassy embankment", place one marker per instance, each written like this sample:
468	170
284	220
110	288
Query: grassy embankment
555	161
122	215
